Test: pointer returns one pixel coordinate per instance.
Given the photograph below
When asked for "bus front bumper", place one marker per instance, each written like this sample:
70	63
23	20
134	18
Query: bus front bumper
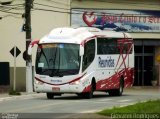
66	88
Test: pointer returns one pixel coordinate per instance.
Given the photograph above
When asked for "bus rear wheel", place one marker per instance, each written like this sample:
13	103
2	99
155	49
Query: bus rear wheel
119	91
50	95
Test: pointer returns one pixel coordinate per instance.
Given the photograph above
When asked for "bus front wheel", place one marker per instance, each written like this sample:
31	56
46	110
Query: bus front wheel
89	95
50	95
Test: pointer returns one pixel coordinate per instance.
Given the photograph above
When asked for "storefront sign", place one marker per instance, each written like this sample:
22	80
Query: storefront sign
118	20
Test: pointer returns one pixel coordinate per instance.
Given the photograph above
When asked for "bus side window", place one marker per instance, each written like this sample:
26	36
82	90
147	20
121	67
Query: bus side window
89	53
125	47
107	46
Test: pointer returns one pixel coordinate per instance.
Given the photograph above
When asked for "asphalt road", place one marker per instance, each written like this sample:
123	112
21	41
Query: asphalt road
70	104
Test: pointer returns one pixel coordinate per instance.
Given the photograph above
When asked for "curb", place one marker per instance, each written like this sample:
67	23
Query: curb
7	97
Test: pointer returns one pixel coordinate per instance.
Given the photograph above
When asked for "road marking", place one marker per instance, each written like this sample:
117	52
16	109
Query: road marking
96	101
8	98
104	100
28	96
34	107
90	111
123	100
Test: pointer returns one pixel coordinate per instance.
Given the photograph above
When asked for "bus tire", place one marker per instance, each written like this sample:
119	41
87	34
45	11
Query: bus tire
119	91
79	94
50	95
89	95
121	87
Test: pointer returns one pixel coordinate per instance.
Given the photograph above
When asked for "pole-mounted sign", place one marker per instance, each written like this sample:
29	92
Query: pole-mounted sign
15	52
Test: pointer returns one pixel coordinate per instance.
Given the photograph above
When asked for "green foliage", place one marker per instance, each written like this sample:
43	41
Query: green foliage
12	92
142	107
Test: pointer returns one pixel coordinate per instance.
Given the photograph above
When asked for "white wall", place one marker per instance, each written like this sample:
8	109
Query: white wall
10	34
42	22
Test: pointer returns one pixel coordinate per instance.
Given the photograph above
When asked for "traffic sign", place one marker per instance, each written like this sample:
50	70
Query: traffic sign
17	51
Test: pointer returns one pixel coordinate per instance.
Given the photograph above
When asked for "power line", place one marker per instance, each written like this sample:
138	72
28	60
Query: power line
128	3
49	10
9	15
8	8
96	13
51	6
79	10
76	11
16	13
11	5
5	9
57	2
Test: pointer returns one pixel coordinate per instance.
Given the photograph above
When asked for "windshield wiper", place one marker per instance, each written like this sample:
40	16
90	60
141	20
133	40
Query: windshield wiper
54	61
60	74
55	72
45	57
45	70
52	73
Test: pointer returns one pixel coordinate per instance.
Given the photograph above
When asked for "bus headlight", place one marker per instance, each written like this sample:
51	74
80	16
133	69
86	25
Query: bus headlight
74	83
38	82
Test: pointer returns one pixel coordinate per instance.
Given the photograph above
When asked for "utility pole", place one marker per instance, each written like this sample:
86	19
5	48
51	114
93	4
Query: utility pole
28	4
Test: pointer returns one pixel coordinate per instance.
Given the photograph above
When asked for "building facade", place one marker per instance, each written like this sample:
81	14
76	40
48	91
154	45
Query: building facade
45	15
140	18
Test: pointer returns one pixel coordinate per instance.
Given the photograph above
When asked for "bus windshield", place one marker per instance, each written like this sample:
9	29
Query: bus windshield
58	59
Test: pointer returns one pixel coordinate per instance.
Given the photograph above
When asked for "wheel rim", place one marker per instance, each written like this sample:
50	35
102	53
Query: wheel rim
91	92
121	87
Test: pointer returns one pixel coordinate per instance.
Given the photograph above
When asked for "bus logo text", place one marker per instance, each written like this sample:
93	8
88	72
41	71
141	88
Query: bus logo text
109	62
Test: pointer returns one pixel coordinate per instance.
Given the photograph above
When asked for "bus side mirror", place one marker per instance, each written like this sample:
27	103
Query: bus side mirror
31	45
81	50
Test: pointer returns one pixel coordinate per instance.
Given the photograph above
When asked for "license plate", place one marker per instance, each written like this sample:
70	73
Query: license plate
55	88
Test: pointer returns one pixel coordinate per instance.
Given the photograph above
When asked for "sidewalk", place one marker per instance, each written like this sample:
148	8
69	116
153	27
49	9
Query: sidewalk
4	93
144	88
24	95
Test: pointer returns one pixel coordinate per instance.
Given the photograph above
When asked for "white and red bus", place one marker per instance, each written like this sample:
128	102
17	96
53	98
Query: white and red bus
83	60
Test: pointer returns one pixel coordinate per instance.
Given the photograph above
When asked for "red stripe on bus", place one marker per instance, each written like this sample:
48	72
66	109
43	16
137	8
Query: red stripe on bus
61	83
